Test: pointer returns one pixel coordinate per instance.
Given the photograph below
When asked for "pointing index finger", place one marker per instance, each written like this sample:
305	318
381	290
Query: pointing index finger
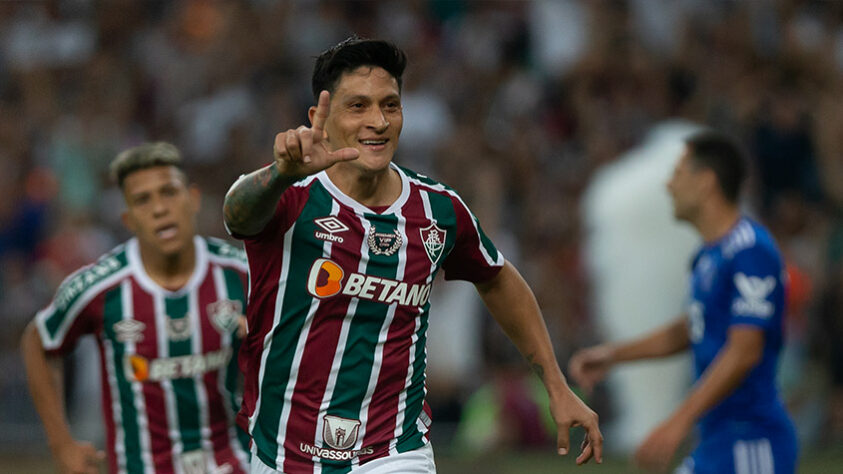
322	108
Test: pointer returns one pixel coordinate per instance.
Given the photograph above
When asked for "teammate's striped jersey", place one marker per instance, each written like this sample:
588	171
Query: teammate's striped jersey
338	313
168	365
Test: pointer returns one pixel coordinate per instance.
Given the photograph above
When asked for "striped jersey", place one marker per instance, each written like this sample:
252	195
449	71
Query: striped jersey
338	314
168	364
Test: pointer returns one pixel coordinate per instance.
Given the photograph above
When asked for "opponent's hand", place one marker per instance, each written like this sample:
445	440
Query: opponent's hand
569	411
589	366
304	151
79	458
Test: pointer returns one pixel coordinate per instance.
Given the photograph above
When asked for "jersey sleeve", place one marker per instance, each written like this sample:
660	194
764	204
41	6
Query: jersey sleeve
71	315
474	257
756	289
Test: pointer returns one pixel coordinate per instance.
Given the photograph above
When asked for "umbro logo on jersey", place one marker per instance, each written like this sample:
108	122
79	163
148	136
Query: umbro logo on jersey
129	330
433	239
753	296
332	226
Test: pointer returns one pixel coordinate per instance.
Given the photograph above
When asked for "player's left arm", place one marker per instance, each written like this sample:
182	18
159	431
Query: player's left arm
513	305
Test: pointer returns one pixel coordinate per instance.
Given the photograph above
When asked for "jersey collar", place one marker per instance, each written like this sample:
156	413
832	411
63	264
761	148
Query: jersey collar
148	284
360	208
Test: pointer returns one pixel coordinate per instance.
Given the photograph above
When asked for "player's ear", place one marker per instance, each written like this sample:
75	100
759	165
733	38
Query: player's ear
709	179
311	112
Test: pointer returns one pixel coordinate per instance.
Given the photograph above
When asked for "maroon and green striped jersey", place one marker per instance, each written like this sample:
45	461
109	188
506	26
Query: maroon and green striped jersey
170	385
338	313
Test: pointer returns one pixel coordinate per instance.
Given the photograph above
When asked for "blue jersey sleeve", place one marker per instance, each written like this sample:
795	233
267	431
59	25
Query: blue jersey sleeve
757	288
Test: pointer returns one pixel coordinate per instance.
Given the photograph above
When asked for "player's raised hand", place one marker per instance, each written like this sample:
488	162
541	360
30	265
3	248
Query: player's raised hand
589	366
305	151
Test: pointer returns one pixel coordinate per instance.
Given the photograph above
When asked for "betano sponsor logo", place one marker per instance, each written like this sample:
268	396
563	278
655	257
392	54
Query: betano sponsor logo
327	279
145	370
334	454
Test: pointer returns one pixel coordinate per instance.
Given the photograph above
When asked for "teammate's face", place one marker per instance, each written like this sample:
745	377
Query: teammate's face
161	209
686	188
365	114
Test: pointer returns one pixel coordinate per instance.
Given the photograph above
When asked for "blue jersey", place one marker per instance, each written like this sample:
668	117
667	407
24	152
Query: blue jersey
740	280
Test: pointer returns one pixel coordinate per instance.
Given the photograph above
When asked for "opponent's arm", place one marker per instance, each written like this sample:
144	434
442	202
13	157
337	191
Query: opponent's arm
514	307
44	377
743	350
662	342
250	203
589	366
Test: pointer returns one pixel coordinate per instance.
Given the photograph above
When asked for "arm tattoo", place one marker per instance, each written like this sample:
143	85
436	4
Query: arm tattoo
251	201
537	368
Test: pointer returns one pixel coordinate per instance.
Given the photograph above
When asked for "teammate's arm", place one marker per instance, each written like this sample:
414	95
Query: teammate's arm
44	377
250	203
590	365
743	350
514	307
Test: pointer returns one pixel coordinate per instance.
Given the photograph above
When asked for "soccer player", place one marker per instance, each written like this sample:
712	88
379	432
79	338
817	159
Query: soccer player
166	308
732	323
343	246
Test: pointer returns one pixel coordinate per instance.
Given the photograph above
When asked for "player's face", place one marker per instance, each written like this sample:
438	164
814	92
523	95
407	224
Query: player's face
685	188
366	114
161	209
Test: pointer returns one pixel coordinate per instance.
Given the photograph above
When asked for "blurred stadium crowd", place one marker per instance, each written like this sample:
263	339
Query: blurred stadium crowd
515	104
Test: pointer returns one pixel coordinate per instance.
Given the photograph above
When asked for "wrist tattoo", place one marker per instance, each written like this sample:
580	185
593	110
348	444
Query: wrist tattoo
537	368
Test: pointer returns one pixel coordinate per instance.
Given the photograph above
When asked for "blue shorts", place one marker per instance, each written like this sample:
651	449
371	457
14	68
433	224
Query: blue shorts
775	452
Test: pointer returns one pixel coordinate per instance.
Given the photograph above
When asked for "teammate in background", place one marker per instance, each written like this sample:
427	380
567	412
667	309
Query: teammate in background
343	246
732	323
166	309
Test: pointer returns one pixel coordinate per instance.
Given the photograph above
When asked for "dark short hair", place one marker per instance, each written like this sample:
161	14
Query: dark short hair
722	155
145	156
351	54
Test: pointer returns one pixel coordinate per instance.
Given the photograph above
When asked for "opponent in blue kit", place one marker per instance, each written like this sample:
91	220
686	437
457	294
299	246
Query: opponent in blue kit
732	322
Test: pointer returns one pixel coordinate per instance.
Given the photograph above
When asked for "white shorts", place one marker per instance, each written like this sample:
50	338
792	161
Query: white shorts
418	461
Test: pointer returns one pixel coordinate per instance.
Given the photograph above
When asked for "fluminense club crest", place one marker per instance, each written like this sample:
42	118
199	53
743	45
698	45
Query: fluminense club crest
225	315
384	243
340	433
433	239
